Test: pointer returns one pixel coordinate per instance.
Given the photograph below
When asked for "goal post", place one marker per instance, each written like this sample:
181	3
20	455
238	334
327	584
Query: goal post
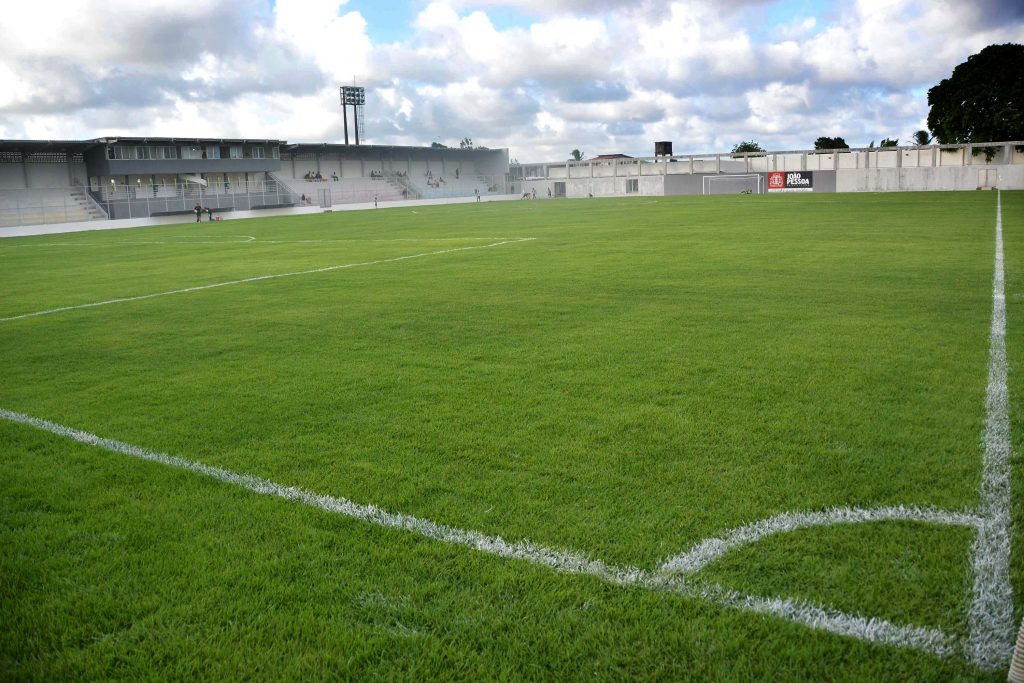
739	183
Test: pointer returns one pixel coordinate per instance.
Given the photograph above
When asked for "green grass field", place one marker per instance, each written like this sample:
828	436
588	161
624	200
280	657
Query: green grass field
641	375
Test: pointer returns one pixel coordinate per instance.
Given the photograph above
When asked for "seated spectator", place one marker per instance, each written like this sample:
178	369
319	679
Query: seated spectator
318	176
334	176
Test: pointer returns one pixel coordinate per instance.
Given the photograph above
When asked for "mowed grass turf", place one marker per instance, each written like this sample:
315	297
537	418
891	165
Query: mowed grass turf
644	374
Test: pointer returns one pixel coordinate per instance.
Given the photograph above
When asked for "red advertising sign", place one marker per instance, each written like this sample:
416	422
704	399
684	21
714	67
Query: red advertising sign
791	181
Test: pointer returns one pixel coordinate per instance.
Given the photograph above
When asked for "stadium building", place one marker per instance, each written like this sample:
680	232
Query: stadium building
888	169
162	179
60	181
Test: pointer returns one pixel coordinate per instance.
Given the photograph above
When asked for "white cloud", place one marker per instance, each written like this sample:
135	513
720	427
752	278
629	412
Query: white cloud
601	75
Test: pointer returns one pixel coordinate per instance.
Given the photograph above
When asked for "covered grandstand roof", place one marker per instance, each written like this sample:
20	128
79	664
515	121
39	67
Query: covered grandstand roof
340	146
35	146
111	139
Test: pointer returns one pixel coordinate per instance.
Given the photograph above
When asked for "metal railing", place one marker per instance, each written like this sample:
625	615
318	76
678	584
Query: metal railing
35	206
141	201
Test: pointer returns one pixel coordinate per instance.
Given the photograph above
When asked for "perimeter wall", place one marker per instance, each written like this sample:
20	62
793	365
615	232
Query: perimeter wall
895	169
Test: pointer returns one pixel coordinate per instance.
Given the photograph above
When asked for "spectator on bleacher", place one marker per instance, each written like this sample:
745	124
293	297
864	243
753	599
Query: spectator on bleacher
456	172
334	176
318	176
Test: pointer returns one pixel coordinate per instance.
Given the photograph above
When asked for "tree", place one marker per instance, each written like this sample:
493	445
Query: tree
466	143
830	143
922	138
576	155
438	145
983	100
886	142
746	147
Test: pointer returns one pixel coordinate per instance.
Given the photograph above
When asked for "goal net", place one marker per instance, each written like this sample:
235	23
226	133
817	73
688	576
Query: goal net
751	183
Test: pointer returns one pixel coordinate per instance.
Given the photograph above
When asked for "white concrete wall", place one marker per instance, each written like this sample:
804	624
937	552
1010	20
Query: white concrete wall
952	157
925	179
47	175
12	176
652	186
351	168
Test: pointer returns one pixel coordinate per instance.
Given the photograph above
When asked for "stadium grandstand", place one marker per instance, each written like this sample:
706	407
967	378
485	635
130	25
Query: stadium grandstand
69	181
114	178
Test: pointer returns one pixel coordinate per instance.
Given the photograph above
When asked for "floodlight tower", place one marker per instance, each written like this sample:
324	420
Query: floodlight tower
356	97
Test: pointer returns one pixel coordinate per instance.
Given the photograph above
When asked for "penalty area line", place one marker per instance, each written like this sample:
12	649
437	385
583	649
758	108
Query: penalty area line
259	278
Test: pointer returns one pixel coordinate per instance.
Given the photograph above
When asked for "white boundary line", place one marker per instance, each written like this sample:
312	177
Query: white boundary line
188	240
991	612
876	630
259	278
989	645
712	549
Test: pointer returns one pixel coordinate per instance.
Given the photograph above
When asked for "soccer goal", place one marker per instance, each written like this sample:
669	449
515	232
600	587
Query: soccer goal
748	183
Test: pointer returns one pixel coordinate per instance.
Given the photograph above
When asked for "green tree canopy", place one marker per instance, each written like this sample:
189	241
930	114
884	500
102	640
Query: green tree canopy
983	101
830	143
747	146
922	138
886	142
438	145
576	155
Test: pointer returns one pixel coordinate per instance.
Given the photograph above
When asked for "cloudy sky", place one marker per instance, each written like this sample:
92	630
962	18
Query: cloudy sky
540	77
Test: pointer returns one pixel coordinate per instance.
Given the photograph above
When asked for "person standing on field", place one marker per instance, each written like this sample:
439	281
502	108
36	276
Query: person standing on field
199	213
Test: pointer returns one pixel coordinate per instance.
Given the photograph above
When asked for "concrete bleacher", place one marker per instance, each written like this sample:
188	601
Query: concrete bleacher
346	190
34	206
452	187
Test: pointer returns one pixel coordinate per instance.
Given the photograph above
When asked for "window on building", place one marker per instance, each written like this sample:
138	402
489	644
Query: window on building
236	151
257	152
632	185
213	152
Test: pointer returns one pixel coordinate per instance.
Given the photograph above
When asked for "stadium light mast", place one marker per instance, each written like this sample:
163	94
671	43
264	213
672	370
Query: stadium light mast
356	97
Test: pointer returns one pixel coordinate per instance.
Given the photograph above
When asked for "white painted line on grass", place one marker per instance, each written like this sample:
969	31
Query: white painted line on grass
259	278
991	612
712	549
247	239
168	239
875	630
